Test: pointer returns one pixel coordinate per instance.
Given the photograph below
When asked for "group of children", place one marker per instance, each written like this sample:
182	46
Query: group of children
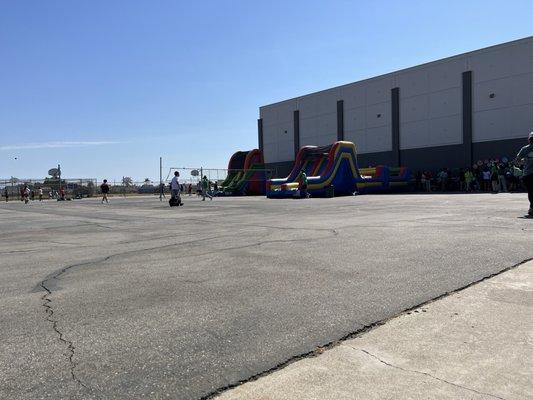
26	194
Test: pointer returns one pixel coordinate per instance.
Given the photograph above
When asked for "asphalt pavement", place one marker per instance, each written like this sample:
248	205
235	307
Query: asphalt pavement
135	299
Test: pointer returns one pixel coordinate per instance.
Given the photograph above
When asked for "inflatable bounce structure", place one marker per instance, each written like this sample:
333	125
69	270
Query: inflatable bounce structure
333	171
246	174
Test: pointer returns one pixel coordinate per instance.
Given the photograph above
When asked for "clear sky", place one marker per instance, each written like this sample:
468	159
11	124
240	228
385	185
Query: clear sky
105	87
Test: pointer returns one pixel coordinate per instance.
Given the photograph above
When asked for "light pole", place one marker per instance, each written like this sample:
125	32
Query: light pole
59	173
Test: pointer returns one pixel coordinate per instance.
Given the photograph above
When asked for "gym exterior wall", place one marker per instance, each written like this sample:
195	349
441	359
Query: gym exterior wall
449	112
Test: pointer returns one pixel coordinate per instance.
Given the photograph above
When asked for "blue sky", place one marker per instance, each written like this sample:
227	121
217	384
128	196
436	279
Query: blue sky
106	87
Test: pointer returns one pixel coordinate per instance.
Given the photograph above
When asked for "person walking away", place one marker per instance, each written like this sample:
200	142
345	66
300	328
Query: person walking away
469	178
104	187
40	194
175	188
502	178
205	188
6	194
494	178
189	189
526	156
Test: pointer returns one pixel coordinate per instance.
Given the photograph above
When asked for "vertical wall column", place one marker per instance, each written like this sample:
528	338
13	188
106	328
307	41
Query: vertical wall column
296	124
340	120
467	119
260	134
395	123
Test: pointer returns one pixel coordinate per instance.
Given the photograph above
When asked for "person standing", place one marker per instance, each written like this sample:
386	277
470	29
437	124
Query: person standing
175	188
189	189
26	194
526	155
104	187
40	194
486	179
502	179
303	184
6	194
469	178
494	178
205	188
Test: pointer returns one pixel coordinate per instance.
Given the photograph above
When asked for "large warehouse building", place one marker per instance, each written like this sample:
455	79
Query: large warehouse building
447	113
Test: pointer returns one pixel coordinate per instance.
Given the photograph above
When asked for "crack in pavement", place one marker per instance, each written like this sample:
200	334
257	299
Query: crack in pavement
47	304
424	373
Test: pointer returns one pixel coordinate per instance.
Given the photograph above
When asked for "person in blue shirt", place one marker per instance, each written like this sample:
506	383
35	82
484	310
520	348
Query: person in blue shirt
526	155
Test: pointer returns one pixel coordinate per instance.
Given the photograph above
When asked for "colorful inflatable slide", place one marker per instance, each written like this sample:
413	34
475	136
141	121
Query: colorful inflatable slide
333	171
246	174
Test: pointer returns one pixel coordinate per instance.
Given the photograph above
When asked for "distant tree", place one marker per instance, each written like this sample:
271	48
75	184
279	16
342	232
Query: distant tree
147	181
127	181
14	180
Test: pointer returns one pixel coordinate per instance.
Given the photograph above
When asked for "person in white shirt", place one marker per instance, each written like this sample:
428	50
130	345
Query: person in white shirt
175	187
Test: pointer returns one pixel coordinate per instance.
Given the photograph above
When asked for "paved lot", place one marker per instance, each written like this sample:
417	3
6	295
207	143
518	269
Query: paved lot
135	299
473	344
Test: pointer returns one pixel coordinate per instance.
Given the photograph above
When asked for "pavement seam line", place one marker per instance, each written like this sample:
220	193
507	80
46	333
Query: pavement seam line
365	328
423	373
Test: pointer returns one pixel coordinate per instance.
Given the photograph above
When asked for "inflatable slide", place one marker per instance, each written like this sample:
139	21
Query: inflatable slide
246	174
333	171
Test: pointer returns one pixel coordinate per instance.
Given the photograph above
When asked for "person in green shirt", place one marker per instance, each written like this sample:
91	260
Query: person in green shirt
206	186
469	178
526	155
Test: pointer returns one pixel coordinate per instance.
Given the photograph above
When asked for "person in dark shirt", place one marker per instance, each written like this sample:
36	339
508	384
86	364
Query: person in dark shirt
104	187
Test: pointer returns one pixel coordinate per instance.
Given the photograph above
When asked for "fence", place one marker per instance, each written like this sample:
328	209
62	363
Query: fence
51	187
89	187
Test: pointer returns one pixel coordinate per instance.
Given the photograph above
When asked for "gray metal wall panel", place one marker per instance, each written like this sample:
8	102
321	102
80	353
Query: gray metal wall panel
430	103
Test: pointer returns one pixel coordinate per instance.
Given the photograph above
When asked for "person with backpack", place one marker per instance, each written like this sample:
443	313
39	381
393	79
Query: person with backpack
175	189
526	156
104	187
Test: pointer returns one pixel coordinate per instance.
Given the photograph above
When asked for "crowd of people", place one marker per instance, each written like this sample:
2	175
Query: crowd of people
492	176
27	194
497	175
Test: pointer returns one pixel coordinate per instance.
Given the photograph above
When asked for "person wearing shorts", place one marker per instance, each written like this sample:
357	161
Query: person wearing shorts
526	155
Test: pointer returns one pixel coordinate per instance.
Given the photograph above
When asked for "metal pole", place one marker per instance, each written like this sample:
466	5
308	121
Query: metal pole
59	171
160	178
